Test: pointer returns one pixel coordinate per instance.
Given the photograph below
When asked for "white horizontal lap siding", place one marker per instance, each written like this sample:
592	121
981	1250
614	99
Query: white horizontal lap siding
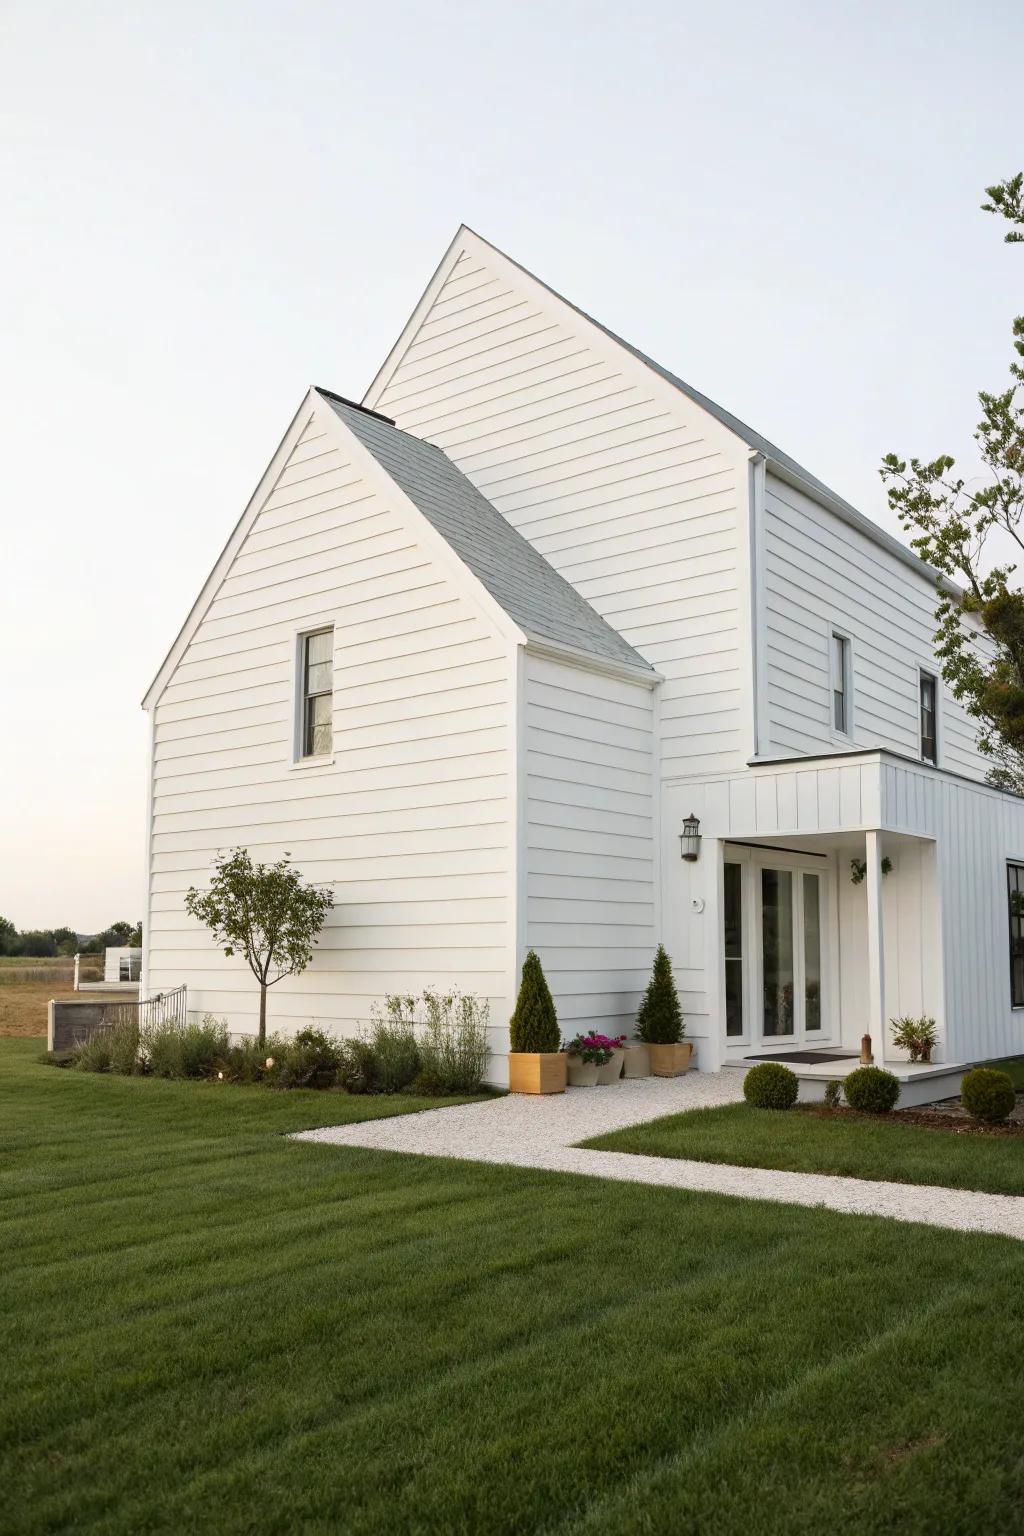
819	572
976	831
589	841
410	824
605	468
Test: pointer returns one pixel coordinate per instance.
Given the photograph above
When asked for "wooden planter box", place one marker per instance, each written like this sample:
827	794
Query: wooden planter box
671	1060
536	1071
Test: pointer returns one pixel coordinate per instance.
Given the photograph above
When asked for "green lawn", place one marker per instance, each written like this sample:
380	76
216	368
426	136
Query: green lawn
802	1142
205	1327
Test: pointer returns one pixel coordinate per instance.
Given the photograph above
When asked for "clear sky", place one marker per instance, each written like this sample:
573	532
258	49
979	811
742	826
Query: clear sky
208	206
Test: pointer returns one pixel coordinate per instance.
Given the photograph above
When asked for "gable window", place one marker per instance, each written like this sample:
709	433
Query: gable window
317	664
1015	897
929	718
841	684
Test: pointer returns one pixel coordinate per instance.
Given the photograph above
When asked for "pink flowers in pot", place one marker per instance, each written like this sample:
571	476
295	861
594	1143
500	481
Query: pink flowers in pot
594	1047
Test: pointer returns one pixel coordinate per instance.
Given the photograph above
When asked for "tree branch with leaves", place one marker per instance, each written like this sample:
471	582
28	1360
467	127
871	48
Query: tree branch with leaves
952	523
265	912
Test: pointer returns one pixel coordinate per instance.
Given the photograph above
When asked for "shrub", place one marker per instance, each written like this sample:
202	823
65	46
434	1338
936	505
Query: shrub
534	1024
659	1019
310	1060
770	1085
189	1050
871	1090
833	1093
246	1061
453	1048
987	1094
917	1036
356	1066
94	1054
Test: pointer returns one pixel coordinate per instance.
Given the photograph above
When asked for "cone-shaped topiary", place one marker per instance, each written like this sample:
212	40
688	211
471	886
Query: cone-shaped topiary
534	1025
659	1019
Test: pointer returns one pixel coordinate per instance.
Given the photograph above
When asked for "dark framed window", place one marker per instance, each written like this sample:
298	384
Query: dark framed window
1015	899
317	693
840	684
734	1021
929	718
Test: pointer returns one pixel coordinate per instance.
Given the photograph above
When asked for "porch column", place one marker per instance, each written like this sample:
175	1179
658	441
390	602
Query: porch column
876	946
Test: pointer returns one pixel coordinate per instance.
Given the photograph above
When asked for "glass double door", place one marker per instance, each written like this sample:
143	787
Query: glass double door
773	939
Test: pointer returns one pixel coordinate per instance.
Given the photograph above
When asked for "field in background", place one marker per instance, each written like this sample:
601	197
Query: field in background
26	986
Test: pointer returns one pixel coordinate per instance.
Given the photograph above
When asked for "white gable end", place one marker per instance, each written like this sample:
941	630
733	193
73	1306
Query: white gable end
633	492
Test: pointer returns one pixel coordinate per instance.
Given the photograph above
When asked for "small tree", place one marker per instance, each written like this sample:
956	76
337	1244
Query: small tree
265	912
659	1019
534	1025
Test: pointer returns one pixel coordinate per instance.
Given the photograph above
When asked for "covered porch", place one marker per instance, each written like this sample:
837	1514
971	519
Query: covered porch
817	934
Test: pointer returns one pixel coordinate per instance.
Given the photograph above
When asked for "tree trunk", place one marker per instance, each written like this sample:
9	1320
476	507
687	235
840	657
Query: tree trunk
263	1014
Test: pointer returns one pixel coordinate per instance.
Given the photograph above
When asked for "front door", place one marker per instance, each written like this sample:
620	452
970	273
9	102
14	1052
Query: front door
774	926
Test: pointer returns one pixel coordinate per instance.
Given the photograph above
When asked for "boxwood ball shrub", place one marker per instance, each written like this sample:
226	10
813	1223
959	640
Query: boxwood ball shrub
988	1094
534	1025
871	1090
770	1085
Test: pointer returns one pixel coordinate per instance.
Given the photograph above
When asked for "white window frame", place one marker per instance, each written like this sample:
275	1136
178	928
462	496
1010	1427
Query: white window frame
299	638
923	672
836	632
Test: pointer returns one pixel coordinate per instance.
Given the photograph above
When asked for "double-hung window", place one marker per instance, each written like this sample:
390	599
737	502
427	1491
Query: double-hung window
929	718
841	684
317	680
1015	899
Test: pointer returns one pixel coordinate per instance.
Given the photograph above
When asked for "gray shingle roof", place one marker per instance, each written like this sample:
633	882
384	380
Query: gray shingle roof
517	576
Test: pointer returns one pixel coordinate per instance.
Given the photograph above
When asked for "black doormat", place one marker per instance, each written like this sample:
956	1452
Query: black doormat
810	1057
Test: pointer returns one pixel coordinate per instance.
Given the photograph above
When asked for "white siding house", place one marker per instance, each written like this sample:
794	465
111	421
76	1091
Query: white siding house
560	600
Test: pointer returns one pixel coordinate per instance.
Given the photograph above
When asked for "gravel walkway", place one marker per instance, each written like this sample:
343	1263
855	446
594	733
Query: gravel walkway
534	1132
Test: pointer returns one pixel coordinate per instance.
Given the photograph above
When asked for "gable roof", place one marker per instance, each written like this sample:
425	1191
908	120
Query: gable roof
523	583
781	463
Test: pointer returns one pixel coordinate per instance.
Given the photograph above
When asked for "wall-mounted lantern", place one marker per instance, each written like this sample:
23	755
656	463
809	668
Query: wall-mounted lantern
689	838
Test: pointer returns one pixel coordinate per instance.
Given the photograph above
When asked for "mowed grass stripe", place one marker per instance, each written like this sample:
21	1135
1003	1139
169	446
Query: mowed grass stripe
277	1336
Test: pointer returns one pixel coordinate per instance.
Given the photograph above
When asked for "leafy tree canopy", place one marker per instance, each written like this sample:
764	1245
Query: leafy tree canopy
953	525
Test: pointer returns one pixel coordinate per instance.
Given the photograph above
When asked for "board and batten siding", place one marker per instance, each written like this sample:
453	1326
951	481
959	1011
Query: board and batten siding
411	821
976	830
589	841
820	572
620	481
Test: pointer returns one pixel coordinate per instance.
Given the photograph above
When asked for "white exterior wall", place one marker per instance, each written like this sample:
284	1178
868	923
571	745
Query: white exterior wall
411	823
589	841
976	831
820	572
633	493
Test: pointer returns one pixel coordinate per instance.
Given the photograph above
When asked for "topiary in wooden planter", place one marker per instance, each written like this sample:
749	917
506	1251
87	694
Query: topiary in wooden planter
535	1063
659	1021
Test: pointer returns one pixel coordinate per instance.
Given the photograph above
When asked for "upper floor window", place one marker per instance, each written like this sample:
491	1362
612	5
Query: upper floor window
317	692
929	718
841	684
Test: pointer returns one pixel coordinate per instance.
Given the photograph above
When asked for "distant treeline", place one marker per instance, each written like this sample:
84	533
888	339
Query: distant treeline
44	943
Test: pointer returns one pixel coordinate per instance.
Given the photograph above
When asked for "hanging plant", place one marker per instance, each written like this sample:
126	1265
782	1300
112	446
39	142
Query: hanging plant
859	868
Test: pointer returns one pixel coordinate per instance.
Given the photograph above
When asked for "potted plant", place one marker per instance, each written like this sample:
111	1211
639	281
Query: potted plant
582	1061
535	1063
636	1059
918	1036
659	1021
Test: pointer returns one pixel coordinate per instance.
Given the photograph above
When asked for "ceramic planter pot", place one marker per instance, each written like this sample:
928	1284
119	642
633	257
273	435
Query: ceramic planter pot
611	1071
536	1072
671	1060
582	1074
636	1060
